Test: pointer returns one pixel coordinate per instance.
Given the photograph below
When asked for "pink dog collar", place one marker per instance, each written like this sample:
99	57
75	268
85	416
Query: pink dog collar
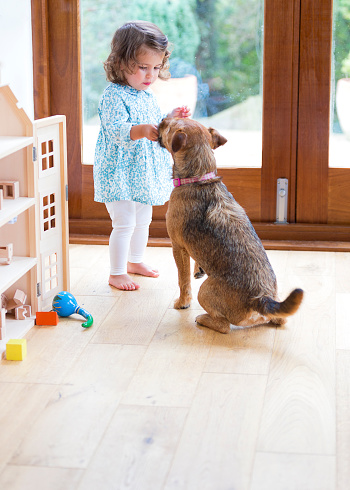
178	182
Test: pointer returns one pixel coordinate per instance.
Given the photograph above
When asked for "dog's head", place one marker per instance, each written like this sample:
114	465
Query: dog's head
190	144
177	134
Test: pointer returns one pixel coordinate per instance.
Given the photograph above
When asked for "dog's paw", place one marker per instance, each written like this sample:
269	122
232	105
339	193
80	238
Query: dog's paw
182	305
198	271
278	322
219	324
198	274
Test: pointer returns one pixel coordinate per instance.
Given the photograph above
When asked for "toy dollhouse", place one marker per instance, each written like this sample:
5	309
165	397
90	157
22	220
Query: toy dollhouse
33	216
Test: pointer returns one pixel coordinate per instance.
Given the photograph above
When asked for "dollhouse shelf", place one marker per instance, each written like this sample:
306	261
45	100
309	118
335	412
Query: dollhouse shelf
34	156
10	144
19	266
9	274
13	207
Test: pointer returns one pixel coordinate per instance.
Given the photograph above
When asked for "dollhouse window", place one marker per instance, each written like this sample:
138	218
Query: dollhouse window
50	272
49	212
47	155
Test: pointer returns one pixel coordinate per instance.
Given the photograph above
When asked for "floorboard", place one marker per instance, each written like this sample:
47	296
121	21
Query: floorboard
147	400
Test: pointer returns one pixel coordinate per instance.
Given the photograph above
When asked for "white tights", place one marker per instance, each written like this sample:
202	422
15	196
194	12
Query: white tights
128	240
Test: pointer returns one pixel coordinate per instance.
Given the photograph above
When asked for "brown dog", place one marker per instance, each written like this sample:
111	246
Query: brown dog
206	223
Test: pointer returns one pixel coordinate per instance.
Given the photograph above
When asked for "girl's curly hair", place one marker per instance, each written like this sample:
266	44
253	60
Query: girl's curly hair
126	44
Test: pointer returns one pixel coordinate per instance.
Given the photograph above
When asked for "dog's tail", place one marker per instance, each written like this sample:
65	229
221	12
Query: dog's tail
268	306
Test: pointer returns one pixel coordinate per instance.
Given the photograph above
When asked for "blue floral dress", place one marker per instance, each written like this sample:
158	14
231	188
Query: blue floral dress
124	169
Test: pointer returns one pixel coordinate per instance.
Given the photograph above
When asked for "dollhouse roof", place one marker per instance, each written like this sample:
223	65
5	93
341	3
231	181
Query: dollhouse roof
16	122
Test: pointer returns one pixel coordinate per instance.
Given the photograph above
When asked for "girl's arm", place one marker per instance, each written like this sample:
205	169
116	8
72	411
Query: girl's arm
149	131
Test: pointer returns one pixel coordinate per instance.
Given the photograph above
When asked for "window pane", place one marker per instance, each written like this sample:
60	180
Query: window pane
339	142
216	66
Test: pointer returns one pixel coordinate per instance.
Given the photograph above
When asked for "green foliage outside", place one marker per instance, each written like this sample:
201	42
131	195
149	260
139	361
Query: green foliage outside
216	39
343	38
219	40
99	21
232	41
177	20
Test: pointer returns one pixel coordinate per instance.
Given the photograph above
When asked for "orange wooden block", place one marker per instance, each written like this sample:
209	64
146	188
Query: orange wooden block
46	318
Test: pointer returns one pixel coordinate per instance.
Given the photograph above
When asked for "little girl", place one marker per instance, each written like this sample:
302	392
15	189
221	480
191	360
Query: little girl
131	171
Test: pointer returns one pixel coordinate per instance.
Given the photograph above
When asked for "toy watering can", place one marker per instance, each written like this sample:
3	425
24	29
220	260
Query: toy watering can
65	304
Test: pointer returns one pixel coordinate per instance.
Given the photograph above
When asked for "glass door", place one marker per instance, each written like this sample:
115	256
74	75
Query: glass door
220	44
339	143
339	137
216	66
323	173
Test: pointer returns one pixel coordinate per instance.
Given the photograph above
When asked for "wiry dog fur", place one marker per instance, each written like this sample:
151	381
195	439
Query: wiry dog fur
206	223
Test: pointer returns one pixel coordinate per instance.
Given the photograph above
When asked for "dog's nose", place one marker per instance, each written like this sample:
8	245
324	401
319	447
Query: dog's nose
160	141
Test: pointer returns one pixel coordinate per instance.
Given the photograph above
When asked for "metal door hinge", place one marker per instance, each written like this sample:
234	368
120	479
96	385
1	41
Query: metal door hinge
67	192
35	154
38	289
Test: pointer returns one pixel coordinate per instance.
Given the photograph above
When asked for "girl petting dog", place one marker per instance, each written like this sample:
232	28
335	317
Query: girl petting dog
131	171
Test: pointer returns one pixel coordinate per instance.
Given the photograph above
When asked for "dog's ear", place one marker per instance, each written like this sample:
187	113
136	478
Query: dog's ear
217	138
179	141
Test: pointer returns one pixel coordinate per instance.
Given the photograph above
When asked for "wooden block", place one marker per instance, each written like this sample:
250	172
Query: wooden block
10	189
16	349
22	312
19	297
46	318
6	253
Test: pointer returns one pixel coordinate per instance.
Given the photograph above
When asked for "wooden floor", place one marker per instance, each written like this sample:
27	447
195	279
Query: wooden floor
146	400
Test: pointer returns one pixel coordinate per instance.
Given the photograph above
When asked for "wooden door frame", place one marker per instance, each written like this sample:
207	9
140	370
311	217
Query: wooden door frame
296	92
314	110
280	104
57	81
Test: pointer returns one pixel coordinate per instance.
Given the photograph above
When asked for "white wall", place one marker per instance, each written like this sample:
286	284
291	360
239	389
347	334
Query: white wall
16	57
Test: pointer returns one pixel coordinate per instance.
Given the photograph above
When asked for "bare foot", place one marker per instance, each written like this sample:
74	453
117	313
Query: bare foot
123	282
142	269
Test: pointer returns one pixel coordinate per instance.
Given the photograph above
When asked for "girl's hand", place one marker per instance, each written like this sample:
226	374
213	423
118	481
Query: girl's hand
149	131
182	111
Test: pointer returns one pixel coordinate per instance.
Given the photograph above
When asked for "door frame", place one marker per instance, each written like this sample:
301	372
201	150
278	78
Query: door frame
297	64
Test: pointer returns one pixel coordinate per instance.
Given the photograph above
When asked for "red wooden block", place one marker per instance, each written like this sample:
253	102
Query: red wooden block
46	318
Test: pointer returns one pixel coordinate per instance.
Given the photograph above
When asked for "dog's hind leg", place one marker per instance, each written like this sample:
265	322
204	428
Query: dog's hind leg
211	303
182	260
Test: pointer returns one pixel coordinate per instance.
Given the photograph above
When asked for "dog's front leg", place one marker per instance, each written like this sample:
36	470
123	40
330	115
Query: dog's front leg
182	260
